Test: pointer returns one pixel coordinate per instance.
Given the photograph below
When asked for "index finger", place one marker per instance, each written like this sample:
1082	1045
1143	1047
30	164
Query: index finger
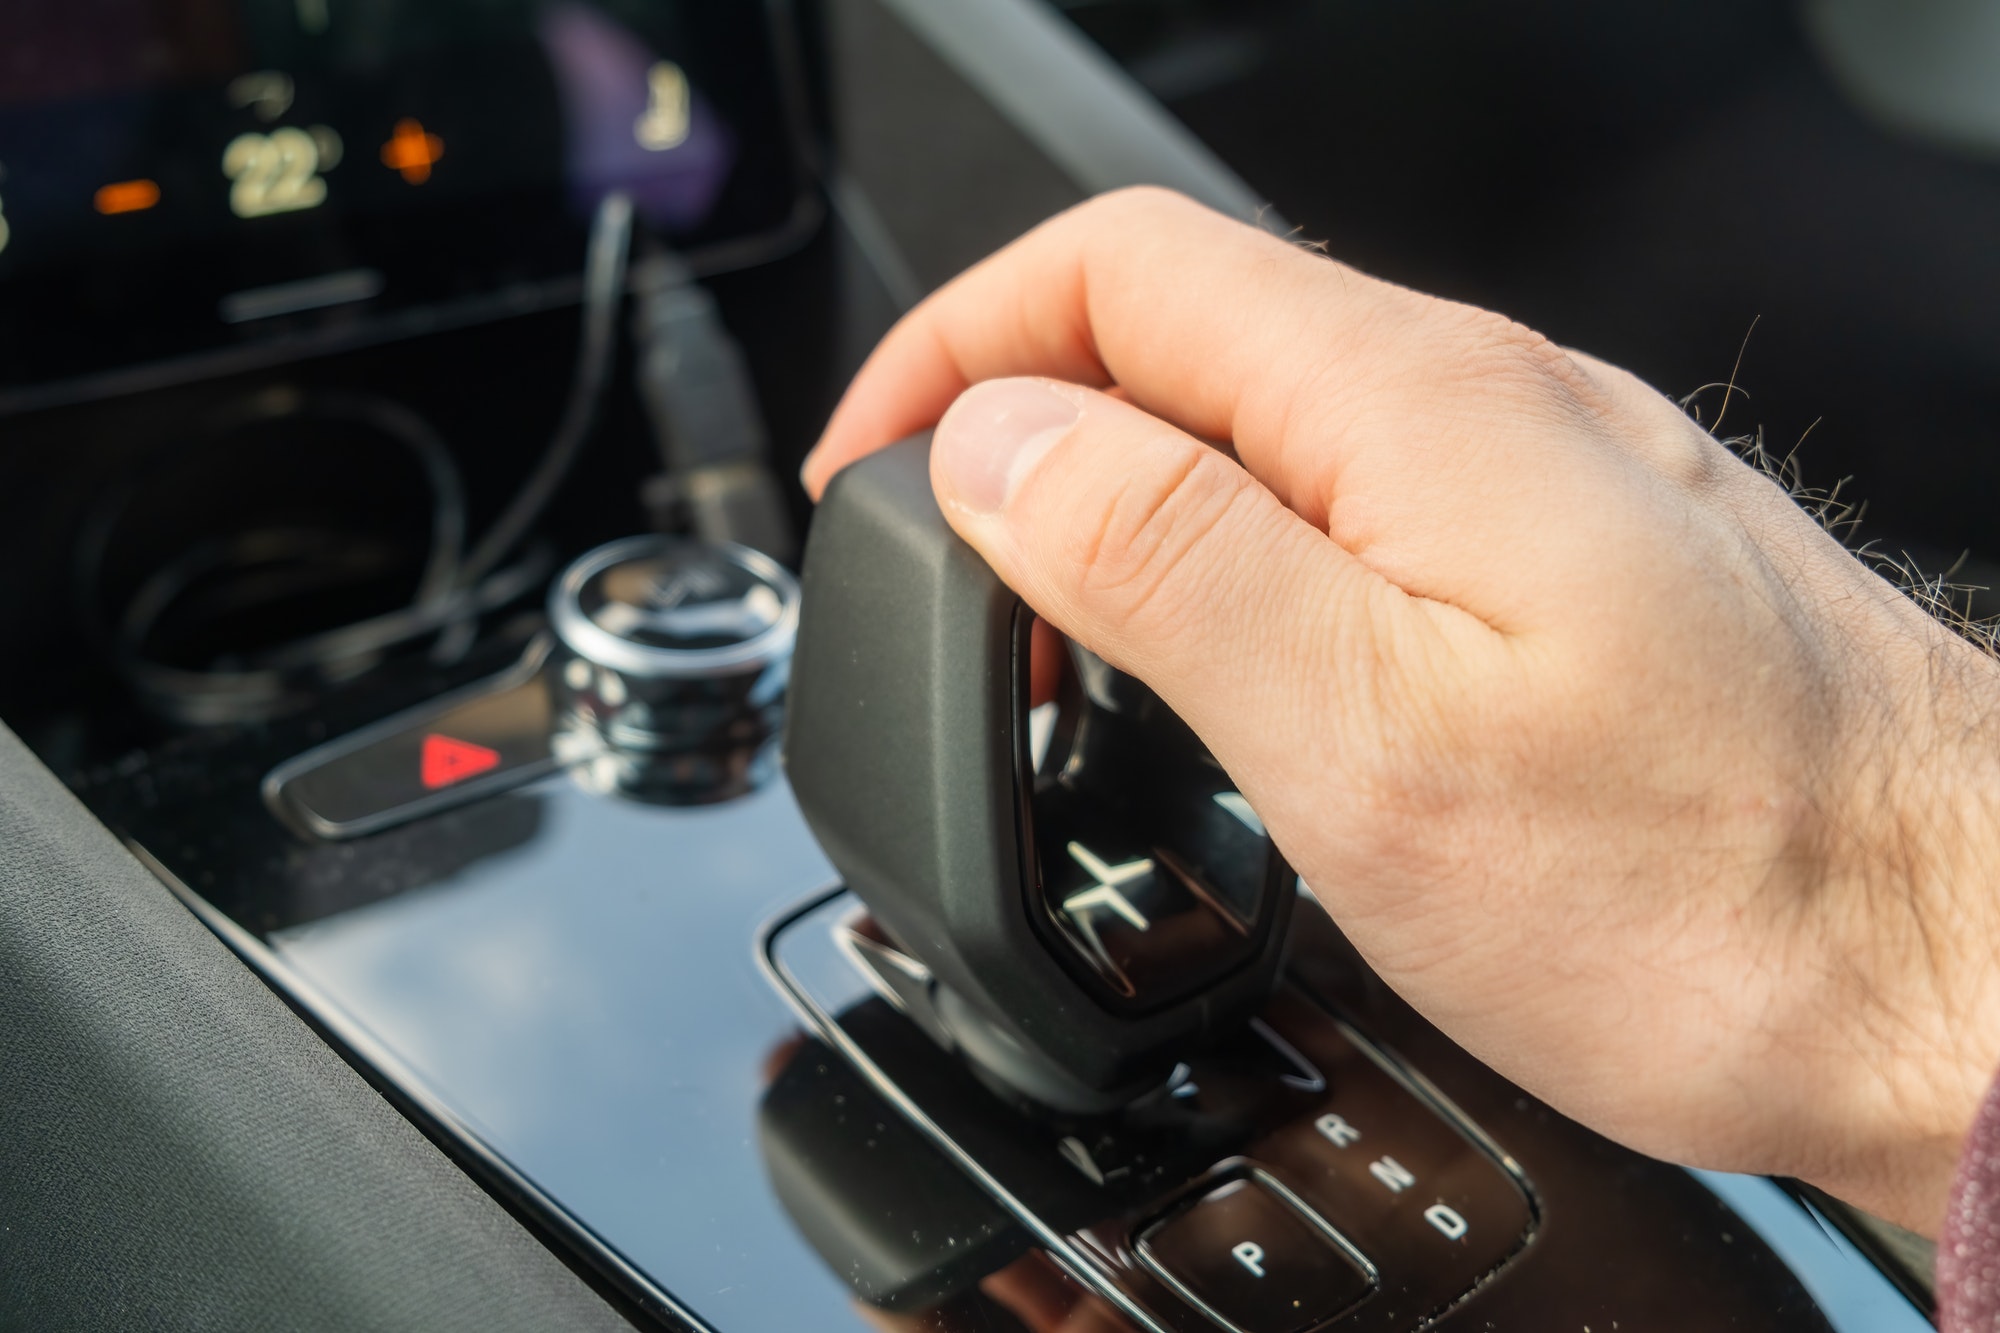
1206	322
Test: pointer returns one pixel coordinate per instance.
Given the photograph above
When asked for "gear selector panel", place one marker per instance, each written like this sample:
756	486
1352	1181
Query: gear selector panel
1293	1179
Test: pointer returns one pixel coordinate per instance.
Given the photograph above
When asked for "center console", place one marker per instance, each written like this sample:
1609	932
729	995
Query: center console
711	1025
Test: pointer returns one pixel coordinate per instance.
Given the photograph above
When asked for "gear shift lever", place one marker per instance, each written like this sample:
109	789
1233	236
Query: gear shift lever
1084	923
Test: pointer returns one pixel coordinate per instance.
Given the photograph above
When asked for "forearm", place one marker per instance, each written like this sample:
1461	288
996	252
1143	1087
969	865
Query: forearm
1911	963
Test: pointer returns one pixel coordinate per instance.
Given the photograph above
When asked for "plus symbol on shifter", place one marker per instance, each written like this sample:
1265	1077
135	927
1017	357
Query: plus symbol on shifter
1105	893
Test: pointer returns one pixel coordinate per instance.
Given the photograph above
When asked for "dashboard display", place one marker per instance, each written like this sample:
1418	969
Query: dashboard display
186	175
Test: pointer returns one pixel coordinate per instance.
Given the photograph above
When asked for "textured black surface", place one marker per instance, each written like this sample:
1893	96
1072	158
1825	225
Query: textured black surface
183	1152
953	178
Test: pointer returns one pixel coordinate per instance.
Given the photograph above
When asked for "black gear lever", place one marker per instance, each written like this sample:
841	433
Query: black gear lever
1084	922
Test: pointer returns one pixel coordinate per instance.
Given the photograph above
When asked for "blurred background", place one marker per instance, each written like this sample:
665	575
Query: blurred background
1801	195
1810	184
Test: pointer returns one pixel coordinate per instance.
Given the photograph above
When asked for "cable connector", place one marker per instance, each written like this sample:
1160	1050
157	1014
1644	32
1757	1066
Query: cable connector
696	387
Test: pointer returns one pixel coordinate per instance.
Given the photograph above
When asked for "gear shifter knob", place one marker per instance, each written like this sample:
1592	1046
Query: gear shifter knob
1084	922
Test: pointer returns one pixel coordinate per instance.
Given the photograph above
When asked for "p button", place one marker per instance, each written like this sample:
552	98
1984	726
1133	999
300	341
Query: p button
1252	1261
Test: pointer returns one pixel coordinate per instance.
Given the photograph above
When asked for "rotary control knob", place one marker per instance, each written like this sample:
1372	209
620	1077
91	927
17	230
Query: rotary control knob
676	657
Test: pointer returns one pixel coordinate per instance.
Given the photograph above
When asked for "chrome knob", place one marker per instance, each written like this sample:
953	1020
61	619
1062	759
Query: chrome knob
676	655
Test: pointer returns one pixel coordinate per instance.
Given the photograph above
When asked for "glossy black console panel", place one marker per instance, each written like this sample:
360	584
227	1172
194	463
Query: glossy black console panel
564	982
565	985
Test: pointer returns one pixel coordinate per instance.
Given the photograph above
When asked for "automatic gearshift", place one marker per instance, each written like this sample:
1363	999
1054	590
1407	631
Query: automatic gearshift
1084	923
1075	919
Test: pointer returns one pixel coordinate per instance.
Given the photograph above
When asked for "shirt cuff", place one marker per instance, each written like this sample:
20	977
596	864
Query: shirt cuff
1968	1259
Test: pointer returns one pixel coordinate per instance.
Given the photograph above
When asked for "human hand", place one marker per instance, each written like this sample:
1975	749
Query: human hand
1603	754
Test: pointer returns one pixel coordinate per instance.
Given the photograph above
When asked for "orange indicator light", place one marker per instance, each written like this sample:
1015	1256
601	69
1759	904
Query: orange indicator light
127	197
412	151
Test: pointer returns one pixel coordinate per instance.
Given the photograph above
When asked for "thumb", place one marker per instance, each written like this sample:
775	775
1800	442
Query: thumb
1165	557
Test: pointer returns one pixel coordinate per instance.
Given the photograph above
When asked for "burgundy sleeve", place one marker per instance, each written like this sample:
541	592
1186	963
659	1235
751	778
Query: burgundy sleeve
1968	1261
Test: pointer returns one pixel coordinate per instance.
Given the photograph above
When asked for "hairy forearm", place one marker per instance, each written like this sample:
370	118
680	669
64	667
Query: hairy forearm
1912	966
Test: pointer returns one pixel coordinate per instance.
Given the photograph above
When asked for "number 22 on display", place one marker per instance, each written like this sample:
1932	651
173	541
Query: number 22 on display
273	173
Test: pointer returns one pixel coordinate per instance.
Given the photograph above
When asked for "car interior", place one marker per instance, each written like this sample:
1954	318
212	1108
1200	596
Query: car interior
480	849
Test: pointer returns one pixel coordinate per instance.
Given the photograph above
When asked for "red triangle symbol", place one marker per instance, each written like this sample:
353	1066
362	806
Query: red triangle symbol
448	760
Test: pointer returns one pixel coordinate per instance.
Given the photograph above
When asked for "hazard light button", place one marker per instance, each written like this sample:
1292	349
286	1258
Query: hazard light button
457	749
449	761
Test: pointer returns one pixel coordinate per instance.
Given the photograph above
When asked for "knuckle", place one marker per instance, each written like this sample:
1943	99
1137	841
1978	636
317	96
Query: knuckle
1494	354
1661	434
1498	358
1150	534
1690	459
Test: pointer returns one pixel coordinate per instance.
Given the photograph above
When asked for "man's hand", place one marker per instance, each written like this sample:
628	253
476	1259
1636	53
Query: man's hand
1605	756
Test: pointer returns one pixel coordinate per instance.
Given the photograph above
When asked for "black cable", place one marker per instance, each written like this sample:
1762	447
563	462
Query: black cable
453	588
603	287
251	569
694	381
502	586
